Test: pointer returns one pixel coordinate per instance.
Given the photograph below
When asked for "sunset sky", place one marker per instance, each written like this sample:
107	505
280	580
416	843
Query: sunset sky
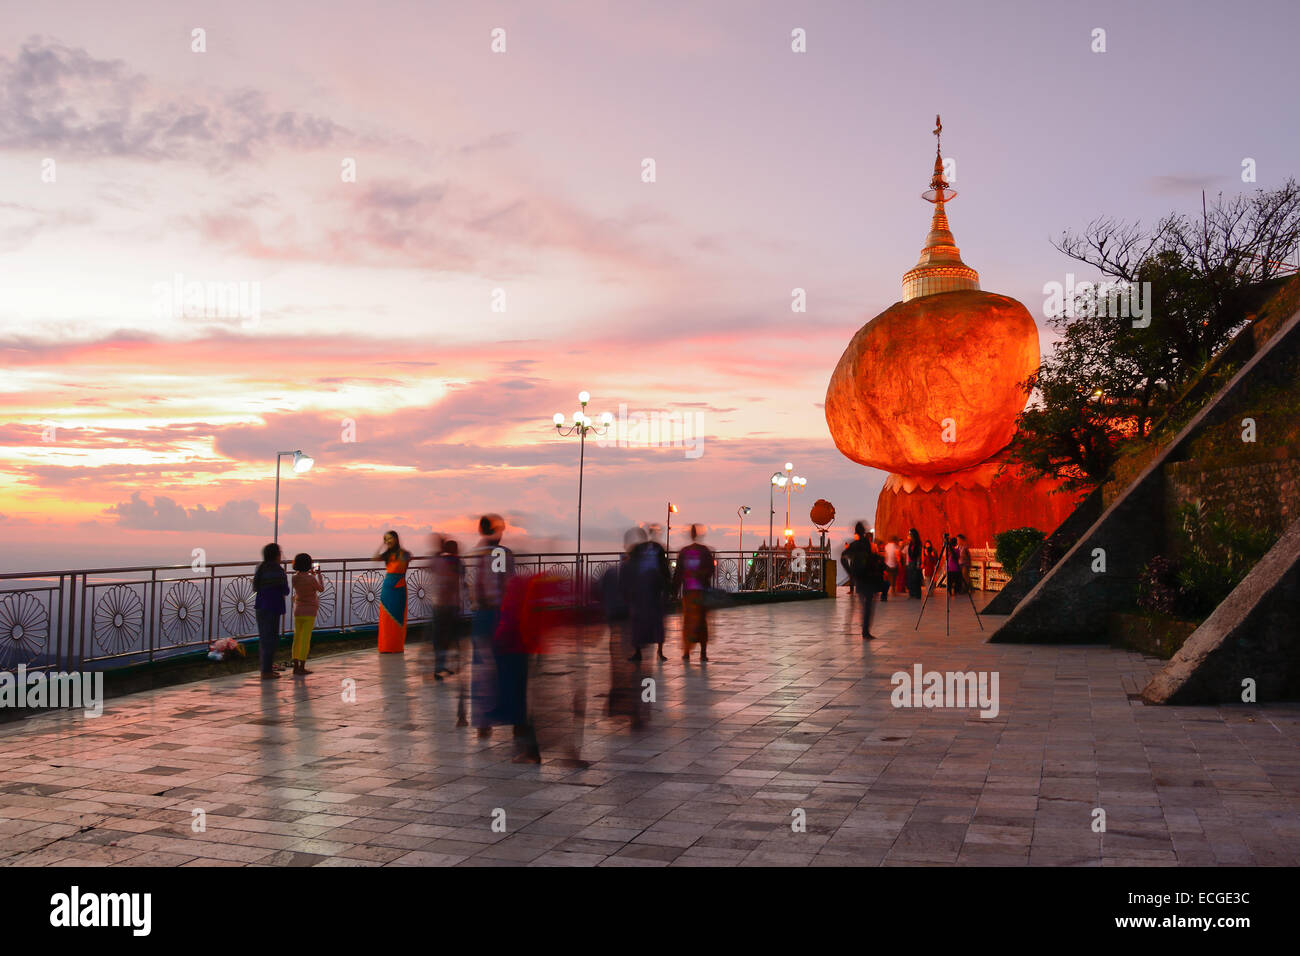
132	432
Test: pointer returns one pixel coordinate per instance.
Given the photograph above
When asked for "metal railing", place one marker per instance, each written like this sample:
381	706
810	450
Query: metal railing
112	617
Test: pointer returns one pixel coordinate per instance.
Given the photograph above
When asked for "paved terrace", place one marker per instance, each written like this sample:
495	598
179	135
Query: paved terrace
793	712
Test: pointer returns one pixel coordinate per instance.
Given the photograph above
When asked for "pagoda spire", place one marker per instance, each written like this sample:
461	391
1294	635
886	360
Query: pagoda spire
939	269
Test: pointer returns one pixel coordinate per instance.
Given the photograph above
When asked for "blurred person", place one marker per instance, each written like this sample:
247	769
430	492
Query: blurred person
929	559
533	606
624	686
307	587
891	569
900	577
952	565
644	588
494	565
914	556
693	576
392	594
448	575
271	584
963	564
866	567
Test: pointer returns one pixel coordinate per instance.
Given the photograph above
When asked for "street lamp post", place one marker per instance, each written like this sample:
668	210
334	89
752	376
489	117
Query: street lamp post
582	424
740	563
668	534
778	481
301	463
795	483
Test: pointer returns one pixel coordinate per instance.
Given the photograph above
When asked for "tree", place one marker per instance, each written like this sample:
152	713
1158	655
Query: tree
1108	376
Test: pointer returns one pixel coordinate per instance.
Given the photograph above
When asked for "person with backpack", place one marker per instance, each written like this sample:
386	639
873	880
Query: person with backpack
866	568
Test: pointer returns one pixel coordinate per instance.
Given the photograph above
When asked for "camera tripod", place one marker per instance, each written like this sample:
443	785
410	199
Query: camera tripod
949	548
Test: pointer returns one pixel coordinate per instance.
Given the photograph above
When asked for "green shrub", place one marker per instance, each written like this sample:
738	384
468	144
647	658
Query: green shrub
1015	546
1217	553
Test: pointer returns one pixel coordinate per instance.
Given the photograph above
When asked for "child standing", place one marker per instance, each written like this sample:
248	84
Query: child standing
307	587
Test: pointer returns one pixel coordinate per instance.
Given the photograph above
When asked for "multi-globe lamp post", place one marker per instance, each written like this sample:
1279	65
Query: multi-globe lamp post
788	481
582	425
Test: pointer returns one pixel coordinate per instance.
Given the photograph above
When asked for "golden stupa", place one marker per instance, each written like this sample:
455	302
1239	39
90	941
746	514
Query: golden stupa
929	390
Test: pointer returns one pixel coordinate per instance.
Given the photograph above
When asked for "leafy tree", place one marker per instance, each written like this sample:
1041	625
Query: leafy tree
1108	378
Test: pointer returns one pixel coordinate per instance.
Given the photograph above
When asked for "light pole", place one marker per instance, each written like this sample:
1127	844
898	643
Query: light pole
740	562
794	483
580	427
778	481
301	463
668	534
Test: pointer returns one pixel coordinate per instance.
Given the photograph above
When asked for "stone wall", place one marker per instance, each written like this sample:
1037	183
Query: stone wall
1073	601
1252	636
1266	494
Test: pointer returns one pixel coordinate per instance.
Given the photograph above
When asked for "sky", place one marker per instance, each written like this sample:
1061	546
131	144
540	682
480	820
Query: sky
431	246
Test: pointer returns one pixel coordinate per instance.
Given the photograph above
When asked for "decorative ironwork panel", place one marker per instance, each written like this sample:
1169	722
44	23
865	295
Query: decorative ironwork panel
237	607
182	613
24	629
419	595
118	622
365	596
328	606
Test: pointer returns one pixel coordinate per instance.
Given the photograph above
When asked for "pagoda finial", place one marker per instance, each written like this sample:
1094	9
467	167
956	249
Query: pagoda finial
940	268
939	191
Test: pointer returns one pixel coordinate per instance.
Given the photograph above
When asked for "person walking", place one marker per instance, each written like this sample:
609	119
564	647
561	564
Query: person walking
308	586
624	684
494	566
645	585
392	595
448	575
865	567
914	555
693	576
271	584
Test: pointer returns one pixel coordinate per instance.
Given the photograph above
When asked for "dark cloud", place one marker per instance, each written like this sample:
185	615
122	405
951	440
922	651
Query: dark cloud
164	514
58	98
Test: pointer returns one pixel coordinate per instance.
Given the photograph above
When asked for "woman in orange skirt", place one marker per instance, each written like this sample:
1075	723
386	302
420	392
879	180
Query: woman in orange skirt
392	596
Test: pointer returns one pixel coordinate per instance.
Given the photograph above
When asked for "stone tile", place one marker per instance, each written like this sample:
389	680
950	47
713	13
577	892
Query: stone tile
795	713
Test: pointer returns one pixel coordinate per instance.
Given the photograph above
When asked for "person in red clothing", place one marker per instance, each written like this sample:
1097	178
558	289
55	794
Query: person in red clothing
693	576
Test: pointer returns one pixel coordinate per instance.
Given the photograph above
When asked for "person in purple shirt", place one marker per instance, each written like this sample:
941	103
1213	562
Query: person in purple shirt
271	585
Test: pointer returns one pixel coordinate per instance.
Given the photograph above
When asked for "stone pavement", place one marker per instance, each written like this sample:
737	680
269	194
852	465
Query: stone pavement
793	713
